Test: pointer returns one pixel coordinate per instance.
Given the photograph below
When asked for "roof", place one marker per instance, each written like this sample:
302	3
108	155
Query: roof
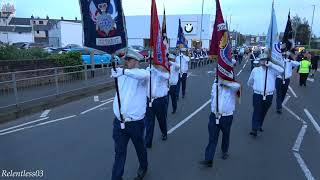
20	21
15	29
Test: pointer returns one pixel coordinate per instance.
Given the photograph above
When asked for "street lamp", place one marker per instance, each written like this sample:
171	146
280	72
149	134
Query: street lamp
314	7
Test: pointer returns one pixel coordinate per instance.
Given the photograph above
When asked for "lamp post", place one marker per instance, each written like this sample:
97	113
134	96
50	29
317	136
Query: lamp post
314	7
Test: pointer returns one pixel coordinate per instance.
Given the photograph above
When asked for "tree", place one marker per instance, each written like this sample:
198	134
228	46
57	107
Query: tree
302	30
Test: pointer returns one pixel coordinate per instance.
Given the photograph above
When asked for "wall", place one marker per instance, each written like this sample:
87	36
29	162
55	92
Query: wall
16	37
138	27
55	36
71	33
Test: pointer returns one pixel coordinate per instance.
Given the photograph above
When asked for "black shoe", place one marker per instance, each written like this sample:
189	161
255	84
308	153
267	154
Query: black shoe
253	133
206	163
261	130
164	137
173	112
183	96
149	146
225	156
140	174
279	111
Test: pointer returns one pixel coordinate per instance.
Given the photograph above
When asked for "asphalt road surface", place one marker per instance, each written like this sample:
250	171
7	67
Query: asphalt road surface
74	141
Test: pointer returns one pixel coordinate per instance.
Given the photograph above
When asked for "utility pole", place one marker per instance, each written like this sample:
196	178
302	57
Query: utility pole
201	23
314	7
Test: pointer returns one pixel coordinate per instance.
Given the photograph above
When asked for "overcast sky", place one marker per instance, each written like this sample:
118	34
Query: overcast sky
248	16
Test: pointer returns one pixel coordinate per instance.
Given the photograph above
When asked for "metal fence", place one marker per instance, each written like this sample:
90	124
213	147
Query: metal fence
24	86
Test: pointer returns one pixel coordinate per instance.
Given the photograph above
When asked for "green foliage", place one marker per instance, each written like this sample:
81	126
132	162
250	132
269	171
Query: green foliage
68	59
13	53
302	30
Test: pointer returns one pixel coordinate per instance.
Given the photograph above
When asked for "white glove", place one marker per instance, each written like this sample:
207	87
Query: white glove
119	72
268	64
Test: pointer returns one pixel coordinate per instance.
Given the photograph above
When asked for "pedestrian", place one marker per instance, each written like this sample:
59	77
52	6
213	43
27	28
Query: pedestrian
283	81
314	63
263	92
173	80
157	106
183	61
132	83
304	69
222	120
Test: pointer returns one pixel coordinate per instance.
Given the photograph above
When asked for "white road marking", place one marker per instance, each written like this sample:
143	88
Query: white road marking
299	139
188	118
239	72
189	74
286	100
210	72
40	124
314	122
14	127
298	142
303	166
103	101
96	98
311	80
293	93
318	70
84	112
45	113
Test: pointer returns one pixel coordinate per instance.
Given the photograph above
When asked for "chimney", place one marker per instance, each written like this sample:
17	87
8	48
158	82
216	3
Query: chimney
76	18
62	18
47	17
32	17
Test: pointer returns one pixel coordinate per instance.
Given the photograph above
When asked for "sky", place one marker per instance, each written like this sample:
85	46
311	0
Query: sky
247	16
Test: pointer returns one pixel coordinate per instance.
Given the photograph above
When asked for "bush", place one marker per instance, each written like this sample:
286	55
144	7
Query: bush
68	59
13	53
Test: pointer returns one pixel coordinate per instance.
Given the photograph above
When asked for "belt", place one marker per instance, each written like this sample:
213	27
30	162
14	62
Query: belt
262	93
225	114
127	119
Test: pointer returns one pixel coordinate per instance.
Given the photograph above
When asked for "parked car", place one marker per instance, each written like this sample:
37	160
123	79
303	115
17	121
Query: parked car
28	45
100	57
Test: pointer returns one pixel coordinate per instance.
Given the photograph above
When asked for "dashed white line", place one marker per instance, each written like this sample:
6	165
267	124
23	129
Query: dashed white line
189	74
31	122
314	122
45	113
303	166
299	139
239	72
40	124
293	93
96	98
84	112
103	101
188	118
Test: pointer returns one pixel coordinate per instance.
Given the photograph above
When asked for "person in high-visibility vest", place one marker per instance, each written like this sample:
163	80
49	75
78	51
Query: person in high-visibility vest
304	70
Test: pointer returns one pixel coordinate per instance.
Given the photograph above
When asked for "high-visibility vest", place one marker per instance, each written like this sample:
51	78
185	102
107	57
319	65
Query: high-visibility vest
304	66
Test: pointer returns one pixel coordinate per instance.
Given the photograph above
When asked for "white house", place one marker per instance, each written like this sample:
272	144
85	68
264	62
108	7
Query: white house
66	32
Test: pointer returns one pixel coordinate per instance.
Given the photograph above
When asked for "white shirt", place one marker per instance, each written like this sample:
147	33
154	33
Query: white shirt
289	64
184	63
227	97
174	73
159	83
133	94
258	75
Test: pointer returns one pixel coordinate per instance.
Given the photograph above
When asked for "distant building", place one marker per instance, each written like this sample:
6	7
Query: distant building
255	40
15	29
63	33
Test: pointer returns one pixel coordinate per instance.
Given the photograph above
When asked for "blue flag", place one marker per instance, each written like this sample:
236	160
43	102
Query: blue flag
272	42
181	42
104	25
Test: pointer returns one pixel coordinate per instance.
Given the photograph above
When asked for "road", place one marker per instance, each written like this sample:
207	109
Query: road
74	141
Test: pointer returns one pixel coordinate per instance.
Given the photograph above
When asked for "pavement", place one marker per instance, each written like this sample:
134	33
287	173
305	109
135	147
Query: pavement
74	141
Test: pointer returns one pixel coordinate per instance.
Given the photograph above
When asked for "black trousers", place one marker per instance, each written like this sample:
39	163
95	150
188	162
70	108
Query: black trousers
303	79
281	91
172	92
182	80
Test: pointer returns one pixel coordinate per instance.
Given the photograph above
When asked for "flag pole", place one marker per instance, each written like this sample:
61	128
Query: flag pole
122	121
270	53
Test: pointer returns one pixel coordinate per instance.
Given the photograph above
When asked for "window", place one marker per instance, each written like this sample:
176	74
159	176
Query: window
34	22
40	22
38	32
